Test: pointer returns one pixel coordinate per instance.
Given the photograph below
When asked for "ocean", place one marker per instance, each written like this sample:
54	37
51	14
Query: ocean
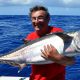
15	28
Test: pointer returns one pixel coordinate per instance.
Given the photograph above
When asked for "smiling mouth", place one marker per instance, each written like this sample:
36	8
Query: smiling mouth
38	27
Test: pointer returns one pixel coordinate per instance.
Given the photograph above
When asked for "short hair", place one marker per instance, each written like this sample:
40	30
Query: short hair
37	7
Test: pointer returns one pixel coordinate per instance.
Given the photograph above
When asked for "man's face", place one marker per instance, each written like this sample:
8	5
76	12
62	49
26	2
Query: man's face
39	20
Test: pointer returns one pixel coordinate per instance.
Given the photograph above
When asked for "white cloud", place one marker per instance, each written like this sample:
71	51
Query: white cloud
54	6
54	3
20	2
67	1
14	2
72	3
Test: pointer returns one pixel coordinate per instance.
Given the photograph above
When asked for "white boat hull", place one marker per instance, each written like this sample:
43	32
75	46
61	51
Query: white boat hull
13	78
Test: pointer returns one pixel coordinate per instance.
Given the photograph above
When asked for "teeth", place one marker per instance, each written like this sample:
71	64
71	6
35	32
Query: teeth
37	29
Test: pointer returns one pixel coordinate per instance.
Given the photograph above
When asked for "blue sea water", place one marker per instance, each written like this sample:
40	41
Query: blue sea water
14	28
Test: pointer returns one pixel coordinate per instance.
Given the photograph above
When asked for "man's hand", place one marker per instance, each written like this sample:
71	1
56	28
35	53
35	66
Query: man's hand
51	53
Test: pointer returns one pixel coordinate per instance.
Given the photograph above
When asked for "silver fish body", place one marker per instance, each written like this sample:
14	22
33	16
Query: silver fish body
30	53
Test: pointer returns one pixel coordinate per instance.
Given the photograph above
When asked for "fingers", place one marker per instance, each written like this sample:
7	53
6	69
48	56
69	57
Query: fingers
51	53
47	51
44	54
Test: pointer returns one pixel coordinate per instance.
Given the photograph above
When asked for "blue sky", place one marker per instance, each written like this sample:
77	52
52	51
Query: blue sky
55	7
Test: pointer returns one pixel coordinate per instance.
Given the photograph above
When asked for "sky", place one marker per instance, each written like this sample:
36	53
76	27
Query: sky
55	7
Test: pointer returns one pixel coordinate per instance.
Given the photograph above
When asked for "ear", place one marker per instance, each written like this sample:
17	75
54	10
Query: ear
48	19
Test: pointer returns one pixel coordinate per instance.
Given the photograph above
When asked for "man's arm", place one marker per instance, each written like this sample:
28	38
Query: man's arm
51	53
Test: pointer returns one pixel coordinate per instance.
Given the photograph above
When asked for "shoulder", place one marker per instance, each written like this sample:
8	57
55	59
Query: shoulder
56	29
31	36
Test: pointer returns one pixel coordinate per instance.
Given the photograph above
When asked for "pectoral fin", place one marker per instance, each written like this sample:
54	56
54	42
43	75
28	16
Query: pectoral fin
21	66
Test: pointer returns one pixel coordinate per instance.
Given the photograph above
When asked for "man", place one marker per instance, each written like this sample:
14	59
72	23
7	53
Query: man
55	71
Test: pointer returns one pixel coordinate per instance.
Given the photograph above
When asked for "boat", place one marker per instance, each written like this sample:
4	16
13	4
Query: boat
13	78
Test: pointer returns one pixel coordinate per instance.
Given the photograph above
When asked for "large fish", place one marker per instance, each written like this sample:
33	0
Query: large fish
67	44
